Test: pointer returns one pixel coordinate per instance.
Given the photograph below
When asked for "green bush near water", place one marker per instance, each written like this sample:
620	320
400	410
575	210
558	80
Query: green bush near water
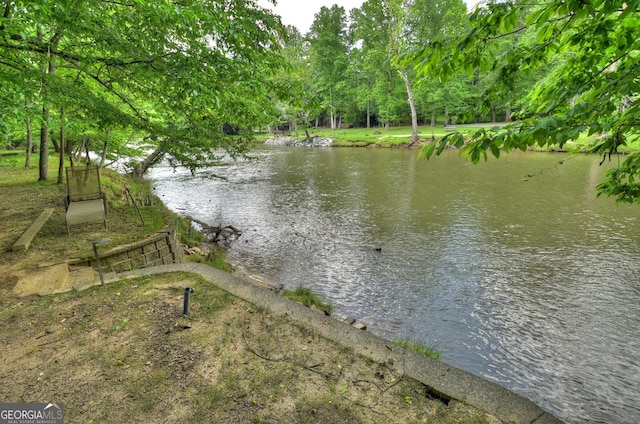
419	347
189	236
308	298
215	259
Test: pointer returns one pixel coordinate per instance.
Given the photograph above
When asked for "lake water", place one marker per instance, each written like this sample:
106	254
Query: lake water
512	268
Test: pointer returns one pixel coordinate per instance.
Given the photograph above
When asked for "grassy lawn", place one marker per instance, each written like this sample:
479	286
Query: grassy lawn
398	136
24	197
358	137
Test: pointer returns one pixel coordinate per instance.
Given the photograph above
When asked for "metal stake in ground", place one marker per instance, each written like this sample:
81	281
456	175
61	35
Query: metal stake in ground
187	292
135	204
95	253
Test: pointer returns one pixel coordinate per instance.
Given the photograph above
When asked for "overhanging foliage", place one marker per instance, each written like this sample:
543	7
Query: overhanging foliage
592	88
177	72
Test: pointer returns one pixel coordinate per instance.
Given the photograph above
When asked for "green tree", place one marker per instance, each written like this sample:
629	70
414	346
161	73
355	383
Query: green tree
426	21
296	78
399	43
176	72
388	28
372	30
328	47
594	90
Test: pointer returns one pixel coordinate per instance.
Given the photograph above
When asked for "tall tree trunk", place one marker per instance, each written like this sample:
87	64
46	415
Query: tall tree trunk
68	146
43	167
412	105
368	113
332	117
62	149
56	146
83	142
87	158
105	148
389	80
507	114
27	162
494	110
142	166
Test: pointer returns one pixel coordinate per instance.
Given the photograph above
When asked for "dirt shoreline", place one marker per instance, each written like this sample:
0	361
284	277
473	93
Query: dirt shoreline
124	353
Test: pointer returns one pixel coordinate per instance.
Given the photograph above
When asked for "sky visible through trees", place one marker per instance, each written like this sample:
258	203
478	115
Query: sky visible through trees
300	14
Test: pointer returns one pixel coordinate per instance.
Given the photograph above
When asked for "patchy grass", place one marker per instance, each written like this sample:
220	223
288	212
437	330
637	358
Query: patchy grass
124	353
215	259
308	298
188	235
24	197
392	137
419	347
380	137
400	136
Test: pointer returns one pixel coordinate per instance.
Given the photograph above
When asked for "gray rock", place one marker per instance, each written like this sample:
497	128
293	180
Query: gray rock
293	142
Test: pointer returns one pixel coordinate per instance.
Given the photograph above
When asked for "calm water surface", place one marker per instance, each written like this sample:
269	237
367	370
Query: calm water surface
531	282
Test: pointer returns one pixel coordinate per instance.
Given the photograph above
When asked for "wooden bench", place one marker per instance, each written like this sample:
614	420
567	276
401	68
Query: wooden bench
449	128
27	237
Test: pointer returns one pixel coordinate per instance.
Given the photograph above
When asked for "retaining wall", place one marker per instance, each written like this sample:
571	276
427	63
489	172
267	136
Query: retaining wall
162	248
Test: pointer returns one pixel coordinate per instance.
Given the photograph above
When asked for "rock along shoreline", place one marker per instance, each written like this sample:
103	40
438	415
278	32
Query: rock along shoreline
296	142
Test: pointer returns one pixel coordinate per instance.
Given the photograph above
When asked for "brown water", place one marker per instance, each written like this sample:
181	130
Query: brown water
533	284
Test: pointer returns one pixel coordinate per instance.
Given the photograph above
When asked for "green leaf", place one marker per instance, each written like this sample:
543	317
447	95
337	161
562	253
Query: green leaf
495	150
428	150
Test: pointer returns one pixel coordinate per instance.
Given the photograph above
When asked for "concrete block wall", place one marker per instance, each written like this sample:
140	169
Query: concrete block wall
162	248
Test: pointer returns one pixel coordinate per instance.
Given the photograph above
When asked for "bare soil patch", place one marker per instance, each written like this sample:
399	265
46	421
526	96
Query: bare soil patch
123	353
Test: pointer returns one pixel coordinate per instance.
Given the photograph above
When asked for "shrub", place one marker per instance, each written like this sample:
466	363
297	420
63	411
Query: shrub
308	298
419	347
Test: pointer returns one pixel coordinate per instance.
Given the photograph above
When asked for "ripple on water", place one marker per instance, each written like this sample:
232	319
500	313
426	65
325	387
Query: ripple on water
533	285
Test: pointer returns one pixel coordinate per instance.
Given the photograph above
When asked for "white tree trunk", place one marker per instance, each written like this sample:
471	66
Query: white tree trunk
412	105
105	148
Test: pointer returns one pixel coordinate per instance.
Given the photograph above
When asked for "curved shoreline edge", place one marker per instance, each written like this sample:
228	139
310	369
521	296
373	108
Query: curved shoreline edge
444	380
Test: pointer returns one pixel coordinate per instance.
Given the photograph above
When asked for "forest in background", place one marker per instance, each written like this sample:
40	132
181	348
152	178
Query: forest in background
184	79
